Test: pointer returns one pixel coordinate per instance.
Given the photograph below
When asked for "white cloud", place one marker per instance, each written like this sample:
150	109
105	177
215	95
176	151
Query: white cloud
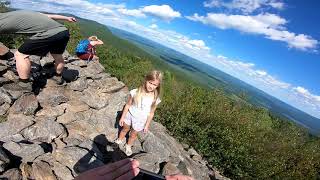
269	25
153	26
164	12
133	12
245	6
307	99
261	72
301	90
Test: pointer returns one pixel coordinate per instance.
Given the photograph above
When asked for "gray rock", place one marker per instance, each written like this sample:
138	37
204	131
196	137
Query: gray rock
26	104
149	161
76	106
94	98
62	171
4	97
15	124
13	174
4	160
80	63
4	81
3	69
14	138
69	117
35	60
108	84
47	157
66	55
79	85
10	75
26	171
170	169
4	108
155	145
42	170
93	69
52	111
195	169
77	159
28	152
44	131
92	148
52	96
46	61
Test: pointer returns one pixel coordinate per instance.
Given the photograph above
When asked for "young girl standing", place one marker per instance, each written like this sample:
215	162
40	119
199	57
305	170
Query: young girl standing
140	108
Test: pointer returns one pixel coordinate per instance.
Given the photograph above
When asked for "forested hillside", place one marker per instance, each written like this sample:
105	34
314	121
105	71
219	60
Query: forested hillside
242	140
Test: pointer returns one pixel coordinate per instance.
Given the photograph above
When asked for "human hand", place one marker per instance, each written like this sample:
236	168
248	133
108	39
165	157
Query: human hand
120	170
178	177
71	19
121	121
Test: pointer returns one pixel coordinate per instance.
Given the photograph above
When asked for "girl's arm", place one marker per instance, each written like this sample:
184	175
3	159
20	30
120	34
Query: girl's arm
60	17
150	117
97	42
125	110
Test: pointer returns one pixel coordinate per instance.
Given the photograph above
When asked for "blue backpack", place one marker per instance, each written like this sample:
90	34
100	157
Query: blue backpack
82	47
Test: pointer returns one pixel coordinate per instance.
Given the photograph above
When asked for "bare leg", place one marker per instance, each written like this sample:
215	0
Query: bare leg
95	58
23	65
59	62
124	131
133	136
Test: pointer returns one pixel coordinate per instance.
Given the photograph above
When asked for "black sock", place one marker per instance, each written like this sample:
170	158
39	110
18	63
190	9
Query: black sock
24	80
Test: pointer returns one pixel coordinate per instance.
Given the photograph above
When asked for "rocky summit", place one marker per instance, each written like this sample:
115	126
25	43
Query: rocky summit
59	131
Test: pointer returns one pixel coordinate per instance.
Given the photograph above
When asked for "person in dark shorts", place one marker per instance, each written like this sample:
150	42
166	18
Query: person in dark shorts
46	36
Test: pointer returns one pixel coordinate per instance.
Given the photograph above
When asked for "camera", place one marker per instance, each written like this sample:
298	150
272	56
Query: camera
148	175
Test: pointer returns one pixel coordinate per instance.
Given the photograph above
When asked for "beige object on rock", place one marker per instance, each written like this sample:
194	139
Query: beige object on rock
3	49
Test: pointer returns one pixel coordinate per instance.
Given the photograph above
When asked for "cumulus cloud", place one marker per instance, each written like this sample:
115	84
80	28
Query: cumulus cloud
269	25
307	99
133	12
153	26
245	6
164	12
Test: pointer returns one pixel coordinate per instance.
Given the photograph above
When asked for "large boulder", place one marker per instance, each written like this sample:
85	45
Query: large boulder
77	159
4	160
44	131
27	104
14	124
27	152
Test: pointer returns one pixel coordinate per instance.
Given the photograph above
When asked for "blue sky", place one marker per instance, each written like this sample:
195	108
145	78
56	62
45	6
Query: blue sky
271	44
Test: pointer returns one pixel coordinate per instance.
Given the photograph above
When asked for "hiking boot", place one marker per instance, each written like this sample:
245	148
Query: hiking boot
128	150
58	80
19	86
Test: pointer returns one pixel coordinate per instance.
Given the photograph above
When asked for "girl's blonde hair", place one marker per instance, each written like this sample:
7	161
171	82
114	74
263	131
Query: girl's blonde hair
151	76
93	38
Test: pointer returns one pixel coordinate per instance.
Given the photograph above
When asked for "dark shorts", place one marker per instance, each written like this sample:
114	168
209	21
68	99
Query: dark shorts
55	45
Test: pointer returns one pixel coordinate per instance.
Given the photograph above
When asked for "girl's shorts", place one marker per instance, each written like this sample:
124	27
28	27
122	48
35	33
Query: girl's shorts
136	123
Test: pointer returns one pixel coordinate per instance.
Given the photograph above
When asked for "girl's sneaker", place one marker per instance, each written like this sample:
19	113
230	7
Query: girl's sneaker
119	142
128	150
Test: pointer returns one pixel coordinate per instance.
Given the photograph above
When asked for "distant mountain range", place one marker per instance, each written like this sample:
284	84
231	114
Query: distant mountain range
214	78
